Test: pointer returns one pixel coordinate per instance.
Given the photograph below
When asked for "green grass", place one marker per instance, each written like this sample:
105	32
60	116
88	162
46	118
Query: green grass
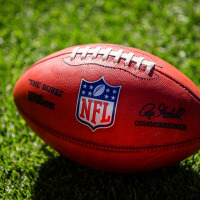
30	30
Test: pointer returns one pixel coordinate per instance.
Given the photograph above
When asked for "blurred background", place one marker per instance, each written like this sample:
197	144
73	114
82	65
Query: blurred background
31	30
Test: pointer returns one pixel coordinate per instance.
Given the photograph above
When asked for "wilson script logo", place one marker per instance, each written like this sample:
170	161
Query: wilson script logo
32	96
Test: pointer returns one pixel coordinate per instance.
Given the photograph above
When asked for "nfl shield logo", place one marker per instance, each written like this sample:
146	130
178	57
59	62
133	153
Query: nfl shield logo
97	103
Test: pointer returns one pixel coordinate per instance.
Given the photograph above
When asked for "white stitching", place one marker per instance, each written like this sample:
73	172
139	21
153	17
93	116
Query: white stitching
106	53
149	67
96	51
74	52
84	54
117	54
129	58
139	62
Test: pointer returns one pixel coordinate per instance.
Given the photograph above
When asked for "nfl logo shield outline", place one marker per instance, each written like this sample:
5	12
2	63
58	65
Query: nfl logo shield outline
97	103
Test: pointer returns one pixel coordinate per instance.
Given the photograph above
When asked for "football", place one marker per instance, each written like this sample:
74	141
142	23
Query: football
112	108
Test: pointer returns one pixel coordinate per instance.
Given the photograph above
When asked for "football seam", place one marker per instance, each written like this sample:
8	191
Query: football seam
111	68
107	147
43	60
179	84
133	49
129	49
190	92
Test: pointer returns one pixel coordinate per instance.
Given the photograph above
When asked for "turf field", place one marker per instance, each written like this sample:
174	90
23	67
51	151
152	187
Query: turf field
30	30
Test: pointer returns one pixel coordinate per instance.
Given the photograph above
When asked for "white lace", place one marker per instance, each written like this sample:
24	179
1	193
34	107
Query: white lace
117	54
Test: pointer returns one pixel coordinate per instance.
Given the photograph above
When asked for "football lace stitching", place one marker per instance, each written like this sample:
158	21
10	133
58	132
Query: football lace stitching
116	54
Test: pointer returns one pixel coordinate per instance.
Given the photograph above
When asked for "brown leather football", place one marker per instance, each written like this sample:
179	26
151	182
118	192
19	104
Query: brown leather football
111	107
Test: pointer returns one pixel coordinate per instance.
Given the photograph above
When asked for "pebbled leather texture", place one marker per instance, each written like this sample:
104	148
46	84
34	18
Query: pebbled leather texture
139	139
